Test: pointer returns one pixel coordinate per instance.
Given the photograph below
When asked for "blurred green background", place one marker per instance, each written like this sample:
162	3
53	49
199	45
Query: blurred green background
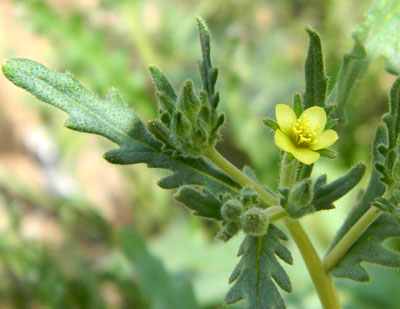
77	232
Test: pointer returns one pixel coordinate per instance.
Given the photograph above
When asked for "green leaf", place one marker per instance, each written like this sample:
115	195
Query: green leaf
208	73
116	121
392	118
204	203
161	289
326	194
379	33
369	248
256	275
376	36
374	189
316	81
162	83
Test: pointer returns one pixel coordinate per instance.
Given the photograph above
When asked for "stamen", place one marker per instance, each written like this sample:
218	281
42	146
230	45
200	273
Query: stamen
303	136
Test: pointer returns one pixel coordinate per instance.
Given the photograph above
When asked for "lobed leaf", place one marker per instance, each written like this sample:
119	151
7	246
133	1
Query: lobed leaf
116	121
374	189
369	248
256	275
204	203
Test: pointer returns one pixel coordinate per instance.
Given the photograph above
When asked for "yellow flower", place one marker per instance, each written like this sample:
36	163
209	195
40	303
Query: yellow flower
304	135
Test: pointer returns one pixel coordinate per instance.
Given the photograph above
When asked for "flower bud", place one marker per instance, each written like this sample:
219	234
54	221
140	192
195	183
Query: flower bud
231	210
229	229
181	126
248	196
301	195
254	221
188	102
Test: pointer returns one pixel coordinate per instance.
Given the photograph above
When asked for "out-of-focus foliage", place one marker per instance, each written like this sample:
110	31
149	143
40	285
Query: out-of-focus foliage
260	47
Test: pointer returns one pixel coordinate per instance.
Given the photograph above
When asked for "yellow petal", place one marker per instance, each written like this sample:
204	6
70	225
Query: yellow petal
285	117
305	155
283	142
317	118
325	139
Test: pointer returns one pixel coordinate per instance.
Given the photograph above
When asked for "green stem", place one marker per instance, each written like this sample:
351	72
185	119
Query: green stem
339	250
215	157
275	213
322	280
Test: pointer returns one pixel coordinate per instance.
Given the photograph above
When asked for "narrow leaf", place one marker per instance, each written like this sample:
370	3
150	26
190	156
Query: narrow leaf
208	73
157	284
316	81
326	194
392	118
162	83
258	272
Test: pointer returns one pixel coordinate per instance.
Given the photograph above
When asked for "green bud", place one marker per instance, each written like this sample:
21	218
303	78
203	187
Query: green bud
160	132
188	102
181	126
166	103
204	98
231	210
254	221
248	197
229	229
301	195
166	119
204	113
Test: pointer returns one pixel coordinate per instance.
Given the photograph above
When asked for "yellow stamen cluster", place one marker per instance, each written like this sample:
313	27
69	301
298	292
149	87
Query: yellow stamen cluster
302	134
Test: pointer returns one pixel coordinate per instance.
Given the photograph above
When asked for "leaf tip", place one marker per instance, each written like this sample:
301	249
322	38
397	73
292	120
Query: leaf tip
7	67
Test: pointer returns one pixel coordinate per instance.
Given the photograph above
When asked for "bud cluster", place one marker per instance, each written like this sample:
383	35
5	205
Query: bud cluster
243	212
187	124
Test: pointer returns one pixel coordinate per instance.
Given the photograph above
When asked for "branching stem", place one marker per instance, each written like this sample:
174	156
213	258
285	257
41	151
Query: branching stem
215	157
339	250
322	280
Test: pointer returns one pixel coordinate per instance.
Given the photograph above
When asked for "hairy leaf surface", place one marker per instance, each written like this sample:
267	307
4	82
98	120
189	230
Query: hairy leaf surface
256	275
114	120
316	81
326	194
370	248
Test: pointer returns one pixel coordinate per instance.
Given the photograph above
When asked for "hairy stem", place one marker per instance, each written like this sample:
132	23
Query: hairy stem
322	280
215	157
340	249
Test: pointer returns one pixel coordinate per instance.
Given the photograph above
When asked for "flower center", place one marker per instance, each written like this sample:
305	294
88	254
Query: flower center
302	134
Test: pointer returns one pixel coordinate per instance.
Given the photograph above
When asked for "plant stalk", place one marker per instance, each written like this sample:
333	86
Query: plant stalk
214	156
340	249
322	280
